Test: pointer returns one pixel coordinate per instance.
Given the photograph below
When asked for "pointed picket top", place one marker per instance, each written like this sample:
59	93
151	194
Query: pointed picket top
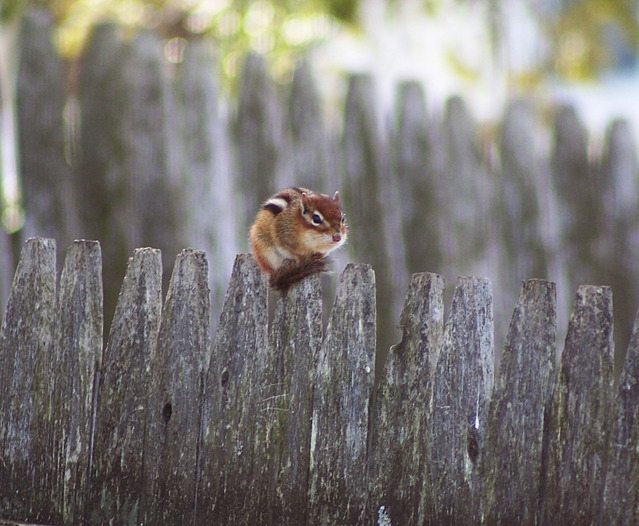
399	454
343	387
118	483
579	428
462	387
520	402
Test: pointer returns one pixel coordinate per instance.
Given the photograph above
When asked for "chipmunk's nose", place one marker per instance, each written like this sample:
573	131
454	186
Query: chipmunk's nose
337	238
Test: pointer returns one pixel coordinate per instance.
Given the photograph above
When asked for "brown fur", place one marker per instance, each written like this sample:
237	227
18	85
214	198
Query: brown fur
287	243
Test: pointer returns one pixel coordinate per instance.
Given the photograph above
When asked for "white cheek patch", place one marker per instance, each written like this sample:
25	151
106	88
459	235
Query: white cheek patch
277	255
322	242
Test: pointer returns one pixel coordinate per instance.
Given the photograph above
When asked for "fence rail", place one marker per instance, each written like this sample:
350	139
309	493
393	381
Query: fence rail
280	421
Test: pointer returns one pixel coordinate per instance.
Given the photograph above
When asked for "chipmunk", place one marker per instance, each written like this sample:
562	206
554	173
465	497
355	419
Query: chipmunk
294	232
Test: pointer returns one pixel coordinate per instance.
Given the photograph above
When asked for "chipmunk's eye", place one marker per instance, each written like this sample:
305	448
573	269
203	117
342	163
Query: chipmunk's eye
317	219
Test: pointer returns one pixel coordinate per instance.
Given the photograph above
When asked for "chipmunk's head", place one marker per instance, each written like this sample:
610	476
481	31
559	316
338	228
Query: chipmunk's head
324	221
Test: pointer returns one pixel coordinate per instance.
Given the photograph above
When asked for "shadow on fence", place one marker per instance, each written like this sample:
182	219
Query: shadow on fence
282	422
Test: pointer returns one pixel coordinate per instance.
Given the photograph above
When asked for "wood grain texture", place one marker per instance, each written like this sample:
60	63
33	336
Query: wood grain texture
520	405
580	424
233	429
458	414
398	456
343	387
78	357
295	337
621	495
27	387
171	445
118	465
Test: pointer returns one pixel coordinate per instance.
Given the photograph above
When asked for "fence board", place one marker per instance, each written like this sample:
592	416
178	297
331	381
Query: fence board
619	230
78	357
233	424
343	387
209	221
262	147
415	166
294	342
47	190
368	188
512	465
579	427
579	212
458	414
118	478
6	268
28	465
175	392
311	148
621	495
399	454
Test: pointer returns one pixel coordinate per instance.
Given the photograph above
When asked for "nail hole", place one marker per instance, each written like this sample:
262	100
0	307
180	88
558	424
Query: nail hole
167	412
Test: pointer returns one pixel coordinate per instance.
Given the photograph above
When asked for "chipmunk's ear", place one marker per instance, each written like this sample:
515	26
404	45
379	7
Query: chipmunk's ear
336	198
304	202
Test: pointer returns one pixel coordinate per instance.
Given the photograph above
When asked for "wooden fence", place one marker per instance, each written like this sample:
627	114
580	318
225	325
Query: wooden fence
279	421
125	148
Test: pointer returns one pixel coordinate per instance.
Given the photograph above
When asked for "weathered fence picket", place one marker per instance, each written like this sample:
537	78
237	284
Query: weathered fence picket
398	457
458	413
342	389
520	404
29	468
78	357
274	422
581	414
295	338
621	498
118	481
233	422
173	416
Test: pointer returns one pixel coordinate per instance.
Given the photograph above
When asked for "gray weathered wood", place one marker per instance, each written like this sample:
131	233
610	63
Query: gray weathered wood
579	211
233	427
6	268
458	414
374	237
27	384
47	191
621	495
415	166
118	477
173	412
467	190
261	144
78	356
343	386
309	138
619	230
209	218
128	173
512	462
295	337
579	427
398	455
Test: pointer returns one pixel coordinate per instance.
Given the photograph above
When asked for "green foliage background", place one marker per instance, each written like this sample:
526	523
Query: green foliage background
579	34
